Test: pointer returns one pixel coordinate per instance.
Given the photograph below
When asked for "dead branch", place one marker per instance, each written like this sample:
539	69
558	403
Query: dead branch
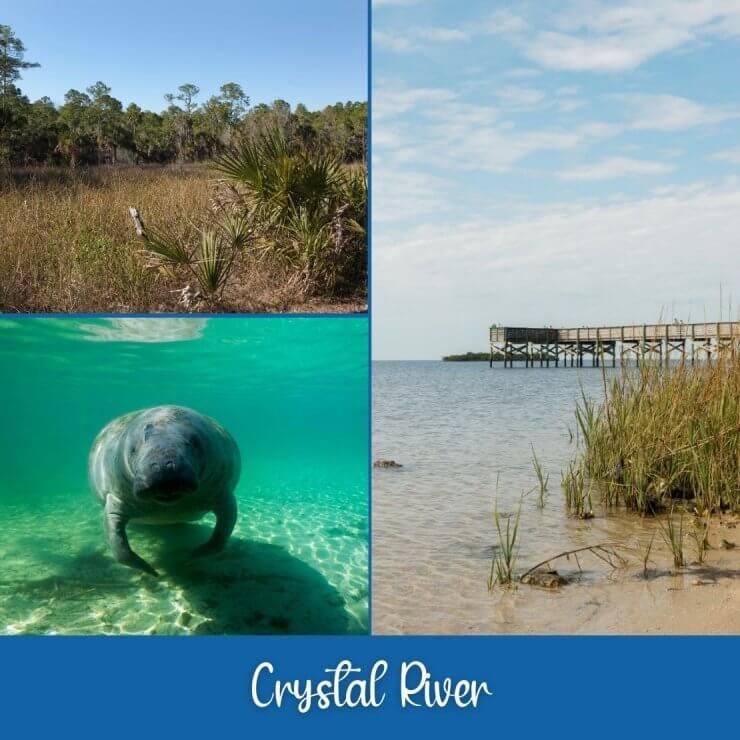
604	551
138	224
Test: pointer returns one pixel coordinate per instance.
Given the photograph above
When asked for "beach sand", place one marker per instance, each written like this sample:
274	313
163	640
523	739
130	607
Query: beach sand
698	599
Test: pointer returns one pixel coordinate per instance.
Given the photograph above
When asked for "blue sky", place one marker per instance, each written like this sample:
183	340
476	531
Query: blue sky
551	163
315	53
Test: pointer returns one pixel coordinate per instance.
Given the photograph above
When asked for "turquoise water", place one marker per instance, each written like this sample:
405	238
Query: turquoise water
292	392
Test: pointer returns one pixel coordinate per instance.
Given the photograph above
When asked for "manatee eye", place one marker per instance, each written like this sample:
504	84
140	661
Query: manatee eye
195	442
147	431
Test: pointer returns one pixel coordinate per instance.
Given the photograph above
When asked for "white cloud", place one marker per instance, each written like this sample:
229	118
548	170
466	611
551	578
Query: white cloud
393	41
587	36
520	72
612	167
434	125
402	196
442	34
616	37
458	135
597	130
671	112
570	104
413	38
515	96
585	263
503	22
728	155
391	101
457	145
573	53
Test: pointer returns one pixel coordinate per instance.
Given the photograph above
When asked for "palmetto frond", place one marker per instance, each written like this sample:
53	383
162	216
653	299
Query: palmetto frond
165	247
238	230
212	263
302	208
278	182
263	167
310	233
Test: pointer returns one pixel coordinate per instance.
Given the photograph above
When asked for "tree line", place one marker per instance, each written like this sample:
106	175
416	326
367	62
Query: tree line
93	127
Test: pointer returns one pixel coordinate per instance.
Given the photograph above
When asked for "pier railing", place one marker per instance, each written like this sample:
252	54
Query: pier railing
633	340
630	332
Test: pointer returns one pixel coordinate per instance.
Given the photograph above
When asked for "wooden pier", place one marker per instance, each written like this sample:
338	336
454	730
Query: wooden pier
604	344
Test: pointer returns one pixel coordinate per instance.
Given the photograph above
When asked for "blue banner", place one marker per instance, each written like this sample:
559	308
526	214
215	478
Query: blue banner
215	687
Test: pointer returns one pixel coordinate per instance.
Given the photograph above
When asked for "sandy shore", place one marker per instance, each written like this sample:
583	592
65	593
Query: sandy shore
698	599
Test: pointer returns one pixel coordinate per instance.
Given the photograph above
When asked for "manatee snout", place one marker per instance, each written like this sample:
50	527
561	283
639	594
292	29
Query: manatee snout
164	476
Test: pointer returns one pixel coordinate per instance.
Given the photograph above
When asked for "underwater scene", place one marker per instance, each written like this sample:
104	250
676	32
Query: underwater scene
293	394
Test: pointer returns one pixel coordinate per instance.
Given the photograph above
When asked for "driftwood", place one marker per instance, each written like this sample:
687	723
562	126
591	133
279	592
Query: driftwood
606	552
138	224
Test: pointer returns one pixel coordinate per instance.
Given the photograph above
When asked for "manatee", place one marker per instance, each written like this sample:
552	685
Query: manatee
160	466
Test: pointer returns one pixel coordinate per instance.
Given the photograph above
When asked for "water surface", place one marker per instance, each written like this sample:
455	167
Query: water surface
464	434
292	392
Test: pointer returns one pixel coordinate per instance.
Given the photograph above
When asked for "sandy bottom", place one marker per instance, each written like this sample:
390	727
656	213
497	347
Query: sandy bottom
697	599
285	570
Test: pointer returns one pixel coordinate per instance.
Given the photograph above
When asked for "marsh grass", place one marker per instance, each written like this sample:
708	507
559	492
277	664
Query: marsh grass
67	244
646	554
577	490
504	559
664	434
673	536
543	479
699	534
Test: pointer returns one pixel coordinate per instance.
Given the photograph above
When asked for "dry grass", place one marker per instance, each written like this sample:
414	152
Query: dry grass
67	244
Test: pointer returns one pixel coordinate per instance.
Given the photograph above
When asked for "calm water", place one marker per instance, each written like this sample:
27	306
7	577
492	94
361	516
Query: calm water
457	428
292	392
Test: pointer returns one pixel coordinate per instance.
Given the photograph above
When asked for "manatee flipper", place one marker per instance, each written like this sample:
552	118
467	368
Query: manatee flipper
225	521
115	529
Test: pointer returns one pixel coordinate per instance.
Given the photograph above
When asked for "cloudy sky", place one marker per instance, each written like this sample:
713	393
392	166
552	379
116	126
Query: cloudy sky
551	163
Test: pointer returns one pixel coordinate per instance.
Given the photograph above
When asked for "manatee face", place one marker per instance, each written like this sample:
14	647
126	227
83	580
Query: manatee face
165	458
